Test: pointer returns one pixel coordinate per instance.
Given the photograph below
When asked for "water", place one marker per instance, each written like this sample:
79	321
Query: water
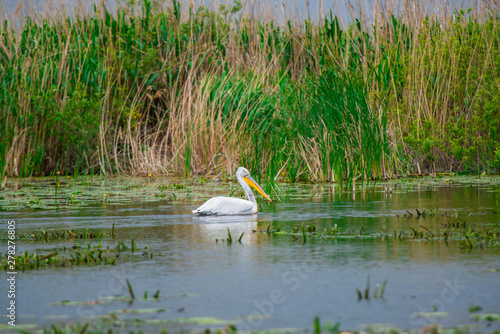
273	281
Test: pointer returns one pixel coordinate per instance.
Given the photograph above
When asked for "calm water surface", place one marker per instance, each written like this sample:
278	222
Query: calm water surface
275	281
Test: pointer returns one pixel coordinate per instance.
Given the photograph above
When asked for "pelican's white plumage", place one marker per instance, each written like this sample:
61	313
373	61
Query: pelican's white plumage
234	206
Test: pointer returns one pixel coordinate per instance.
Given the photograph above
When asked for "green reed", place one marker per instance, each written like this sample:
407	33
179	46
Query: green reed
65	235
151	90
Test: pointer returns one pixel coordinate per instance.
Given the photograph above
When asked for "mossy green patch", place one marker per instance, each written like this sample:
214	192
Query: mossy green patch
487	317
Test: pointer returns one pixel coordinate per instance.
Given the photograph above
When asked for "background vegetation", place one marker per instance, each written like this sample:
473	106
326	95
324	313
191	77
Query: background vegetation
156	89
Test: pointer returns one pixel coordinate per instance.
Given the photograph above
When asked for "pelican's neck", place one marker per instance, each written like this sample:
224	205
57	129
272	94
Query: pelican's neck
246	188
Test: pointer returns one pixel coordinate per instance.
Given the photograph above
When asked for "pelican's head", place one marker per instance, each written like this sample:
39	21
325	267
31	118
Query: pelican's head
245	174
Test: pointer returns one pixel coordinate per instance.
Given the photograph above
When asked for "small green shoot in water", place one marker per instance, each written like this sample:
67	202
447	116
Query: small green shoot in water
376	295
130	291
367	290
304	237
241	236
475	308
360	295
317	326
121	246
229	237
382	290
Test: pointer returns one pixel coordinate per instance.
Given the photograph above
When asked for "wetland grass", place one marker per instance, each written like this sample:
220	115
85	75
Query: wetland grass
60	258
378	293
63	235
114	322
38	193
475	308
132	295
229	237
68	256
150	90
130	290
472	237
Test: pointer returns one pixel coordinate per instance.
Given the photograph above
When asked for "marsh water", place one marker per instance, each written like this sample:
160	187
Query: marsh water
273	278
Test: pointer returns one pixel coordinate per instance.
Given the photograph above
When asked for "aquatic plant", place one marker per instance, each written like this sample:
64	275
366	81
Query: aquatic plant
65	257
64	235
467	238
475	308
328	328
229	237
36	260
130	291
151	89
376	295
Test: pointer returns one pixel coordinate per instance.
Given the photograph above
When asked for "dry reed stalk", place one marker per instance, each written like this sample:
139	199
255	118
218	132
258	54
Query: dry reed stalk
182	128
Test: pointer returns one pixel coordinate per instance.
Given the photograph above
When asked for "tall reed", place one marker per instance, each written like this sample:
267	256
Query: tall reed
184	90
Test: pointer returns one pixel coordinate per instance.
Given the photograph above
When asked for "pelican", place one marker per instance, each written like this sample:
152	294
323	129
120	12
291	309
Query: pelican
220	206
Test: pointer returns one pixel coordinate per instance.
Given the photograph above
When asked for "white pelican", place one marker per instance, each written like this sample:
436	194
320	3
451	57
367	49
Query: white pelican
220	206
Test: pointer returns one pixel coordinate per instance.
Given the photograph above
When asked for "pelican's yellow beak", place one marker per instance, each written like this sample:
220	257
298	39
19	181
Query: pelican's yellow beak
252	183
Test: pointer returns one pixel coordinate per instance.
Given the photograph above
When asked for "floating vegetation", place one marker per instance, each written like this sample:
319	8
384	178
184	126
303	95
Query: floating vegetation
115	320
487	317
39	193
70	257
64	235
108	300
431	314
204	321
64	257
140	311
475	308
473	237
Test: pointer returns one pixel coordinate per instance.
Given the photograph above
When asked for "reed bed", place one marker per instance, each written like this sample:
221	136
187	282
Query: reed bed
178	89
